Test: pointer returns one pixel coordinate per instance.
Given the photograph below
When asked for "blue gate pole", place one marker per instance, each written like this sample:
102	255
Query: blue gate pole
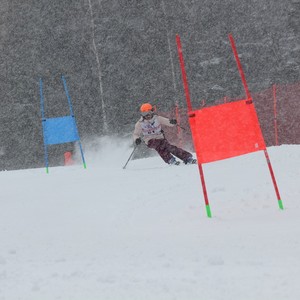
67	94
72	114
43	122
81	151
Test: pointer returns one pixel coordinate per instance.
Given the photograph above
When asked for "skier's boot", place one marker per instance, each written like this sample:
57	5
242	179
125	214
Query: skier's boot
174	162
190	161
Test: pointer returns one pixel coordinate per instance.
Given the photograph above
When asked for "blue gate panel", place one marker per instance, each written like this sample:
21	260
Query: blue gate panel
60	130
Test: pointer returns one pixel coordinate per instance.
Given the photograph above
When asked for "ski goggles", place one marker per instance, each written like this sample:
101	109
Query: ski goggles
147	113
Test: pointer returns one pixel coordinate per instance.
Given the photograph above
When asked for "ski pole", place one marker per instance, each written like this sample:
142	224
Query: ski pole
180	127
130	156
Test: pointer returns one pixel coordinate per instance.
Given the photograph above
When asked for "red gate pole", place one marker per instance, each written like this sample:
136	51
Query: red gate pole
280	204
239	65
184	77
249	98
189	105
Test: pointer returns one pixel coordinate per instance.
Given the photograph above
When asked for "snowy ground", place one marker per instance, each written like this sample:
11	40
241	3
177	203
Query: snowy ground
142	233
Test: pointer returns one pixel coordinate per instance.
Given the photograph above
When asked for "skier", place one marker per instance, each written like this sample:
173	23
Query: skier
149	127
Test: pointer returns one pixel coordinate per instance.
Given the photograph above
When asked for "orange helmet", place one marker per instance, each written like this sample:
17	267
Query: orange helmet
146	107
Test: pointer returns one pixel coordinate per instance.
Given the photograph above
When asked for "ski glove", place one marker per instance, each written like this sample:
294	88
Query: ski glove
138	141
173	121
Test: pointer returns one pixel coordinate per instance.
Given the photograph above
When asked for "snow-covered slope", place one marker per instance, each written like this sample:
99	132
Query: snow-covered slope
142	233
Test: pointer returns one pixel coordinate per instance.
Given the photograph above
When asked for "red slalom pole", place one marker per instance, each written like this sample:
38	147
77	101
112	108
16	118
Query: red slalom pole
189	105
207	206
184	77
249	97
239	65
273	179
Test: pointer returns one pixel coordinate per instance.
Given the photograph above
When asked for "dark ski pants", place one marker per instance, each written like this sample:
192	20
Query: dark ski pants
165	150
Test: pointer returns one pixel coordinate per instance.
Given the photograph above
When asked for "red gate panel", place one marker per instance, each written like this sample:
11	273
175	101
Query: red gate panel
225	131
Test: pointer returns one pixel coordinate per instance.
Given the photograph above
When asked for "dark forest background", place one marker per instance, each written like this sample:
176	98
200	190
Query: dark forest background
118	54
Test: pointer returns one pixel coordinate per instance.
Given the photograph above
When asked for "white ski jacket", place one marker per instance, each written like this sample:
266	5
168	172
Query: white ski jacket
150	129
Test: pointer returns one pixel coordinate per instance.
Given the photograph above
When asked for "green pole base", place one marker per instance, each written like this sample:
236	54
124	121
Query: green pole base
280	204
208	211
84	165
47	170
